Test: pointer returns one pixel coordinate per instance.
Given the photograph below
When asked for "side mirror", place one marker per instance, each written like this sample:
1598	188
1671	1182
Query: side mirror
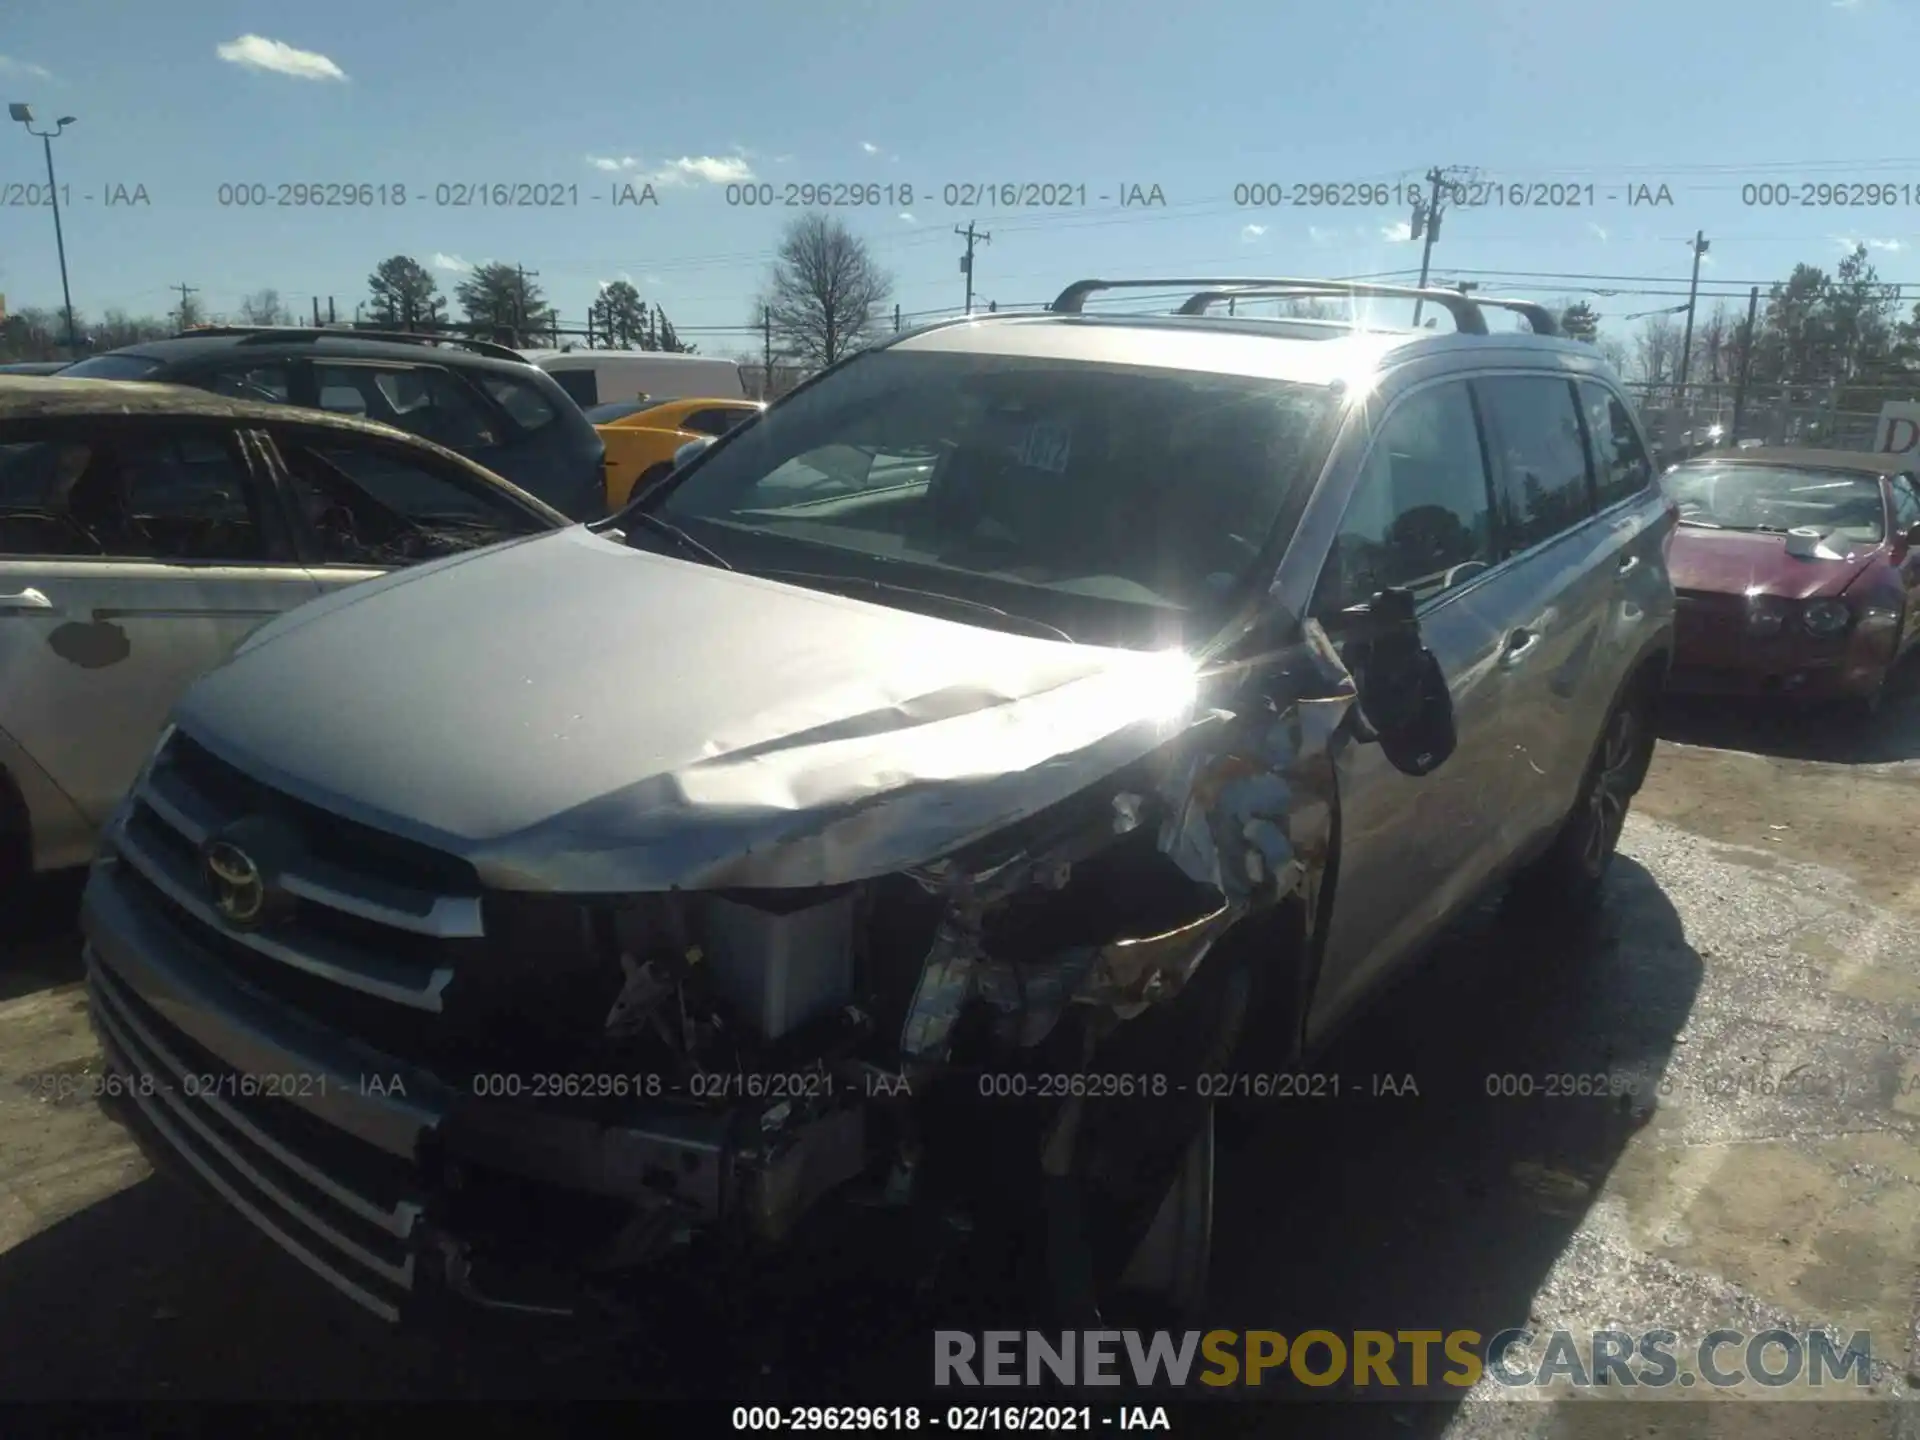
1404	703
1912	537
692	448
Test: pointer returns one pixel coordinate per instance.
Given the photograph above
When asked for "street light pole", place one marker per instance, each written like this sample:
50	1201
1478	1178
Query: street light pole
24	114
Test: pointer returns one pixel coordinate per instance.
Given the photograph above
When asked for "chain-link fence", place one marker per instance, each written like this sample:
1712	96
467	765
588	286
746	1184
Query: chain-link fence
1681	420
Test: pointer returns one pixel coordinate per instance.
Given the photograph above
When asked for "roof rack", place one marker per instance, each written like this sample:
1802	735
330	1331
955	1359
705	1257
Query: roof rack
268	334
1465	309
1202	301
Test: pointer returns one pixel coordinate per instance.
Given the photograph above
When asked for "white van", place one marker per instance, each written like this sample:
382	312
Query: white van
603	377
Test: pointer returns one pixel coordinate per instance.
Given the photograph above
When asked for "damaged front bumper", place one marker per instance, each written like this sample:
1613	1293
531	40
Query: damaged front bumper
237	1058
398	1191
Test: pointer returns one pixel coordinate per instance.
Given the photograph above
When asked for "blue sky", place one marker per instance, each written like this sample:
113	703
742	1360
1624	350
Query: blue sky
1703	97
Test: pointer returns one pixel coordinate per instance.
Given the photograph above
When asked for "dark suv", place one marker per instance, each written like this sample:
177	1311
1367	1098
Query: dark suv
479	399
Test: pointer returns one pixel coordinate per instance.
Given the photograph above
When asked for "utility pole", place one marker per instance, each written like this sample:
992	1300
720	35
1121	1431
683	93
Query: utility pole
1746	364
966	260
1693	296
1427	221
316	311
332	319
896	317
766	350
520	303
185	290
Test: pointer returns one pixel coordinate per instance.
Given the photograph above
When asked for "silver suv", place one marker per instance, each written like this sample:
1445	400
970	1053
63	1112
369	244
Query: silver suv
941	791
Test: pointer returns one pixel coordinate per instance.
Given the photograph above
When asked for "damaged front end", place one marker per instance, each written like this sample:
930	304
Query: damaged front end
707	1067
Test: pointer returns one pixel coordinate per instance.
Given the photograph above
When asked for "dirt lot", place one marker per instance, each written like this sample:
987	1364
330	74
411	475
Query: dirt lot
1760	927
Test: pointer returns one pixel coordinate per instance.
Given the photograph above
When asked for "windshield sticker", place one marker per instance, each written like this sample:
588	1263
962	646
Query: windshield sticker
1045	447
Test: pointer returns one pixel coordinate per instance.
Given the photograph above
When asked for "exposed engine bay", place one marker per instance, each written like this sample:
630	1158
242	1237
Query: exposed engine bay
749	1053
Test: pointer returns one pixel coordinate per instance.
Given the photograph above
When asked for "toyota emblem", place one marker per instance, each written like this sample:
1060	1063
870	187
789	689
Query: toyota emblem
239	889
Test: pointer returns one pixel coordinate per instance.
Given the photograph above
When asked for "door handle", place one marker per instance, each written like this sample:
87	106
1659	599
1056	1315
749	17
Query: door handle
1629	563
27	599
1519	645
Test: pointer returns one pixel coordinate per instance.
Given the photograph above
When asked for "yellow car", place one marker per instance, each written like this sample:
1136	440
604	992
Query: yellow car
642	435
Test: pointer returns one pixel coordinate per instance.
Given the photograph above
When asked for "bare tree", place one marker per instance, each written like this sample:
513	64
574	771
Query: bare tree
825	290
1655	355
263	307
1716	347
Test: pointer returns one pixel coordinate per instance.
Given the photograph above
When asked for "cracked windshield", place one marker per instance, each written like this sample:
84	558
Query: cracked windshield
902	718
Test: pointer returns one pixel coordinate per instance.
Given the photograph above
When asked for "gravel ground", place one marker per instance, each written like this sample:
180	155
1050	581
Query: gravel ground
1753	987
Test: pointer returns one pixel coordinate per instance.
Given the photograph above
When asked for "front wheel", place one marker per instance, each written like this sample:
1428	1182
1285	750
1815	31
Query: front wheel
1569	876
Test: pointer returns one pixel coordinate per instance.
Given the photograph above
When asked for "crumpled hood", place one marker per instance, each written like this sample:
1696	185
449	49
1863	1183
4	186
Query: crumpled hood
1736	562
573	715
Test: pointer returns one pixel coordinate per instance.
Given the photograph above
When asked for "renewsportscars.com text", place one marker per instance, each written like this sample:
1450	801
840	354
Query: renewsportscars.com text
1395	1360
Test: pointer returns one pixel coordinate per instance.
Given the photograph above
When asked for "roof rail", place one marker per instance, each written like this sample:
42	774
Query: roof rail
1202	301
1466	314
1538	317
268	334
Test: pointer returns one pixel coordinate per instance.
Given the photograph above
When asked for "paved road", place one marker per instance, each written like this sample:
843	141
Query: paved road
1759	927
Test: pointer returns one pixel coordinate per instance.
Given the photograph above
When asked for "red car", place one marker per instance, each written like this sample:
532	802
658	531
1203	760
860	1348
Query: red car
1796	573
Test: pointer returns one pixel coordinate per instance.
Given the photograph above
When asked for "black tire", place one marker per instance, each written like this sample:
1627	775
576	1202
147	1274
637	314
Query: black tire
1569	877
1140	1157
16	856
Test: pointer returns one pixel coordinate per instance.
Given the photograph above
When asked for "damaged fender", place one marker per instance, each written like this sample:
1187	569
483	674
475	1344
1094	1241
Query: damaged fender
1248	800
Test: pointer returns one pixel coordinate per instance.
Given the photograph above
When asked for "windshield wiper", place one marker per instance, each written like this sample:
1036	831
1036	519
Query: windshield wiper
846	583
678	536
1703	524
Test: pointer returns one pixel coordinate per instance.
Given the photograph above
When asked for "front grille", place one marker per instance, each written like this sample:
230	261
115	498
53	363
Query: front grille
384	940
371	916
343	1208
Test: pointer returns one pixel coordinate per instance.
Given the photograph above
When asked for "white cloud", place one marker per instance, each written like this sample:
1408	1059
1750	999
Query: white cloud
1396	233
1250	233
869	147
11	66
687	170
256	52
1321	236
707	169
443	261
1886	245
907	215
1598	230
651	280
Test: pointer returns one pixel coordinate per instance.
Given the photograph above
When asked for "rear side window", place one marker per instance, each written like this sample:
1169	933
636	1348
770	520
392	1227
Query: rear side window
185	496
582	386
112	367
423	400
521	399
1539	460
271	383
1621	469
